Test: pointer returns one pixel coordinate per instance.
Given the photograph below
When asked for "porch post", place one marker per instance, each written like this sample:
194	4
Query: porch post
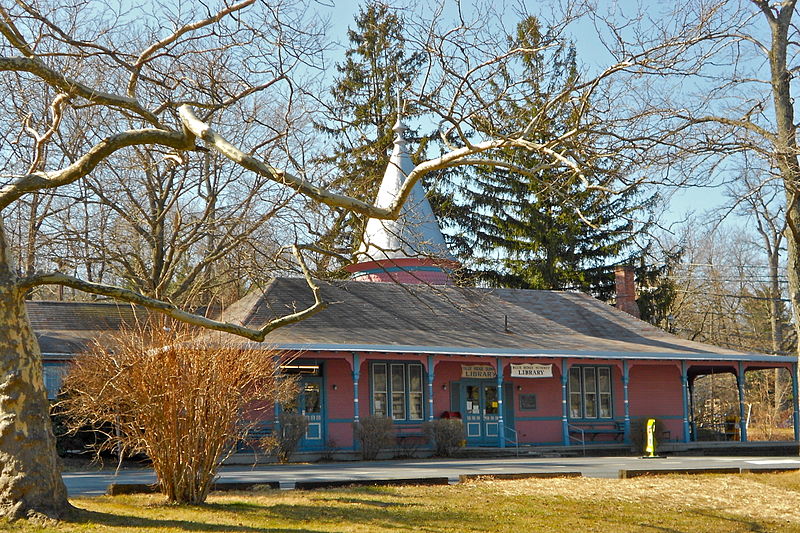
564	411
795	403
685	391
276	408
626	401
501	426
430	387
742	414
356	373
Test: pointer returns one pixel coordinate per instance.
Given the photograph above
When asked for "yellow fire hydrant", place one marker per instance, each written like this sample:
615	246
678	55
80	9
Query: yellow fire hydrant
650	447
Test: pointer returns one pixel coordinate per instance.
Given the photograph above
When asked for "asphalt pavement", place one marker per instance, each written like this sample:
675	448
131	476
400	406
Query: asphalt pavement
95	483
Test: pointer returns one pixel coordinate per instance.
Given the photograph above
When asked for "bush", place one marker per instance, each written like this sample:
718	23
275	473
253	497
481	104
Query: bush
291	429
175	397
374	433
446	434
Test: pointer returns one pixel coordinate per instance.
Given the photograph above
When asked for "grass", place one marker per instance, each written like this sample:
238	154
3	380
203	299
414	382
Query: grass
710	503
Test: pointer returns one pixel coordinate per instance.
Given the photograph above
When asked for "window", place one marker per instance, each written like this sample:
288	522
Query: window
53	379
397	390
590	392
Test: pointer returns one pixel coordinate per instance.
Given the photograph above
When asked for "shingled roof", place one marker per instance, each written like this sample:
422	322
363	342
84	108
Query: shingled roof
66	328
425	319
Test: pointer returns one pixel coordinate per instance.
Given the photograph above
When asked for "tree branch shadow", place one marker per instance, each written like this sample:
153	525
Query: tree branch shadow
83	516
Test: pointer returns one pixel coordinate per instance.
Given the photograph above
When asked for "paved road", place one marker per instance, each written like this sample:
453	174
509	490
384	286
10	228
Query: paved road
93	483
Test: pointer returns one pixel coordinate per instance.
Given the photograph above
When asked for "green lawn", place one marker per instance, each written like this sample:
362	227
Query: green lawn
711	503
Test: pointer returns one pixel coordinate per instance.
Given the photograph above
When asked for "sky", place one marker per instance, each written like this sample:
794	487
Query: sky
591	53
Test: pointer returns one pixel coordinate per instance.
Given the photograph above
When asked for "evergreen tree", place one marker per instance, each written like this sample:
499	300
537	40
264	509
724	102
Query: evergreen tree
364	109
546	230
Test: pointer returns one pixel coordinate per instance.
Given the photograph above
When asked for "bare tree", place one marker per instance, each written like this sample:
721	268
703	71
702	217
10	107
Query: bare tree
709	83
148	83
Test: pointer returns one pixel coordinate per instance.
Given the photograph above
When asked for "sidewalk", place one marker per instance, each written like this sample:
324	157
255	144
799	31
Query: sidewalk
94	483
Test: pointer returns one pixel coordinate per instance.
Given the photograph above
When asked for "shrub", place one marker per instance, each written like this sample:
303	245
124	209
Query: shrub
446	434
374	433
176	398
291	429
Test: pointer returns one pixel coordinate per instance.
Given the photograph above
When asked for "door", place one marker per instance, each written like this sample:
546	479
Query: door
310	404
481	408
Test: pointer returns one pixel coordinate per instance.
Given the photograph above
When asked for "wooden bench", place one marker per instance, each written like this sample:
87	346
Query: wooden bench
592	430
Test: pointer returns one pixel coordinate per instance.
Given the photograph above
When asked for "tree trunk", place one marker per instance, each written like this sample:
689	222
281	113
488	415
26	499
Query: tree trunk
30	472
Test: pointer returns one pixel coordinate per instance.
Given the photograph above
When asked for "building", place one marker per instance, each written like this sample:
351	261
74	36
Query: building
519	367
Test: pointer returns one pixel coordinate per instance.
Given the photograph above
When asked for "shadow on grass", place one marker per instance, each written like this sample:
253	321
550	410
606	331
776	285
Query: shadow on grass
368	513
749	524
743	523
82	516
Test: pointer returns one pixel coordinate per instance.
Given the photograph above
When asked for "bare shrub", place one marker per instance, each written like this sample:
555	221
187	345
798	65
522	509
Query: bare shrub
374	433
446	434
174	398
291	429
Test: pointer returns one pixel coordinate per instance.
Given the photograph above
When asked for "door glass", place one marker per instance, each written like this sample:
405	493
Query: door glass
311	398
473	398
492	405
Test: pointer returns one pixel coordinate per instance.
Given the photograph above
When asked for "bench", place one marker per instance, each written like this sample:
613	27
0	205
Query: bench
256	433
592	430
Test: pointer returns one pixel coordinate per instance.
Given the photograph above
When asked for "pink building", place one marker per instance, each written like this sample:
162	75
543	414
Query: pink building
518	366
400	340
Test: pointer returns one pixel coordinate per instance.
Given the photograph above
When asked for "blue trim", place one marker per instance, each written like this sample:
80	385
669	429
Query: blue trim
564	406
536	353
742	419
626	379
538	418
501	427
429	403
340	421
685	398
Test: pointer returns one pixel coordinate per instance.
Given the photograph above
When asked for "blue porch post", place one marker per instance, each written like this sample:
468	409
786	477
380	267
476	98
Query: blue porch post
626	379
564	411
430	387
501	426
742	419
685	391
276	408
795	403
356	374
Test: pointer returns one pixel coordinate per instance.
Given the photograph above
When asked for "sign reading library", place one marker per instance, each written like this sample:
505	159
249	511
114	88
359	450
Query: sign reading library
478	371
531	371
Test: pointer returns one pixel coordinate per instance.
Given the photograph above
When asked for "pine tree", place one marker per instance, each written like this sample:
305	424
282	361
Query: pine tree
363	110
546	231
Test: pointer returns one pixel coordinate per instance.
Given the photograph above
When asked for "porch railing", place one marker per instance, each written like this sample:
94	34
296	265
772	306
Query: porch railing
574	431
514	439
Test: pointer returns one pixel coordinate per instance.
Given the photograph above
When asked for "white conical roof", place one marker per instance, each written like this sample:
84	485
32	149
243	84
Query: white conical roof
416	232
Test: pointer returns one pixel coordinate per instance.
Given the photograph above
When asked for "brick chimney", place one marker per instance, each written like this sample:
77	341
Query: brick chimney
626	290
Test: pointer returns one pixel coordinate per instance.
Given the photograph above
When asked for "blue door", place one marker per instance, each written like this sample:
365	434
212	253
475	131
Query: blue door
480	406
310	404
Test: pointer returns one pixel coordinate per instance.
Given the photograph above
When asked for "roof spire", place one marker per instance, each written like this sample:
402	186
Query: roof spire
399	127
411	247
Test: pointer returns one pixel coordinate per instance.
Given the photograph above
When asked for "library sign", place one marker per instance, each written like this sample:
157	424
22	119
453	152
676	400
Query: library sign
531	371
478	371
